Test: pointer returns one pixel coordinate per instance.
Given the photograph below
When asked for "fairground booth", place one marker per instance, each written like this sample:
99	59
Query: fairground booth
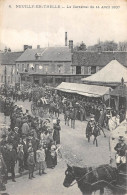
88	91
113	75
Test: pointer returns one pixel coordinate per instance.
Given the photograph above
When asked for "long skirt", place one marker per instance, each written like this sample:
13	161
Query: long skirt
41	165
31	168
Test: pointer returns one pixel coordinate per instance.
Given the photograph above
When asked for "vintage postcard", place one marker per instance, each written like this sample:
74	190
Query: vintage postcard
63	97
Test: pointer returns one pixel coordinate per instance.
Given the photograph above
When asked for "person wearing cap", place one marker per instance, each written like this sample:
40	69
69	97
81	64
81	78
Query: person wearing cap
120	148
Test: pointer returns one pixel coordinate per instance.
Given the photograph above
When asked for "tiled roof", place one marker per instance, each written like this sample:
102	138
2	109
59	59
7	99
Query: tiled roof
46	54
95	59
9	58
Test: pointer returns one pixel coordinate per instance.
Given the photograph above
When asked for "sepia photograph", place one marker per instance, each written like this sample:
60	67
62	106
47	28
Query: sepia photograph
63	97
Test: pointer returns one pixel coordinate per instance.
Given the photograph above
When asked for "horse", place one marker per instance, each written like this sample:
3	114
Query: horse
91	179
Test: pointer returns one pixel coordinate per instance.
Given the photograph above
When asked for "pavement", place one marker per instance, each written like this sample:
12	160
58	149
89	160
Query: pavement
75	150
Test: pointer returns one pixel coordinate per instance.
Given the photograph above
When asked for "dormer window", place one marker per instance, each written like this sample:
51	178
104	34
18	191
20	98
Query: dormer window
37	55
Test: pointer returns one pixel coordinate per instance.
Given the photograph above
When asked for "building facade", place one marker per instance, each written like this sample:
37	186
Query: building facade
8	69
88	63
45	65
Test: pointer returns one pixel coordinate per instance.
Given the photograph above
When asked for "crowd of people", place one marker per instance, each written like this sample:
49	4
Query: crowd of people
30	143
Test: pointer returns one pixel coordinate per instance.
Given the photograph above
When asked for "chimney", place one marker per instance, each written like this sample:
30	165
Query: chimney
38	46
25	47
65	38
71	45
30	46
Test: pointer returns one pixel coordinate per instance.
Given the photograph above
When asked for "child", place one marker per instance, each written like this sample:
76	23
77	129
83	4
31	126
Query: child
40	157
31	163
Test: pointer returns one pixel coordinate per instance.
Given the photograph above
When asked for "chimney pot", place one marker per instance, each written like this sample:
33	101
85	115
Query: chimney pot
25	47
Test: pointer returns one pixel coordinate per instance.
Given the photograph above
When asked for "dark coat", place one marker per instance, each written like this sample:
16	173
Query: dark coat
31	163
120	149
89	129
11	158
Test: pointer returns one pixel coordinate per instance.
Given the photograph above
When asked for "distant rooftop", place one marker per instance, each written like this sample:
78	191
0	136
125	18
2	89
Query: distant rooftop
9	58
88	58
46	54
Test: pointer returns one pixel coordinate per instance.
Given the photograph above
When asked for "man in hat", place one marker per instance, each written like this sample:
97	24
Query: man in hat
11	160
90	127
120	148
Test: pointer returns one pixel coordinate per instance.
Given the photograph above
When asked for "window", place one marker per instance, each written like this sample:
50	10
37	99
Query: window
89	69
27	67
36	67
2	79
9	79
22	67
72	69
18	67
78	69
46	68
93	69
59	68
97	68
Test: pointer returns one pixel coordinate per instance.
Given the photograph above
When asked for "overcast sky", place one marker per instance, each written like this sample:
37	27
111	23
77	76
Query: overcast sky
43	26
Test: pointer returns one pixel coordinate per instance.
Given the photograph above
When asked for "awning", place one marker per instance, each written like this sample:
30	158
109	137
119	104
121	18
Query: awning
83	89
